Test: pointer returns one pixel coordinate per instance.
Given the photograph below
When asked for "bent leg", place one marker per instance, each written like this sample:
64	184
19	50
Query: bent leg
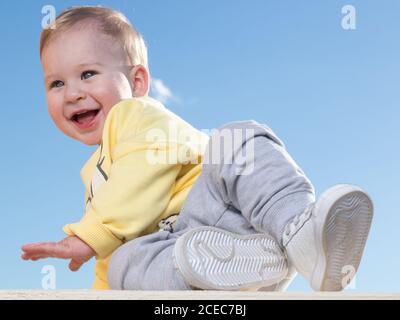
258	192
254	174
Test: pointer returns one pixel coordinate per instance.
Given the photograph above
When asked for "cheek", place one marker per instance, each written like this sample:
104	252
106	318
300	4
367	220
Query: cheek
113	92
55	110
121	87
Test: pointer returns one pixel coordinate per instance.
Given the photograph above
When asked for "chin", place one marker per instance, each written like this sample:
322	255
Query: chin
92	143
88	141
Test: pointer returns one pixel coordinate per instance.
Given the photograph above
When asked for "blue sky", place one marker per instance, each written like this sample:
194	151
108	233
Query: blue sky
332	95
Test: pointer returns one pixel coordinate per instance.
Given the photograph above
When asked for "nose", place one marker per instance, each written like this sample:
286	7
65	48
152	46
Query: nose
74	93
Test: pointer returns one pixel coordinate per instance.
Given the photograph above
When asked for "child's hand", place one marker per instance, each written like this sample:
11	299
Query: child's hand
70	248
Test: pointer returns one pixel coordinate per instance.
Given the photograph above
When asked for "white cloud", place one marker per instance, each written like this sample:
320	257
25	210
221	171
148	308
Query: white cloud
160	91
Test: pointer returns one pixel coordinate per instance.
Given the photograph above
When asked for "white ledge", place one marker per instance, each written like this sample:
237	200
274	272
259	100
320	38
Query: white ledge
187	295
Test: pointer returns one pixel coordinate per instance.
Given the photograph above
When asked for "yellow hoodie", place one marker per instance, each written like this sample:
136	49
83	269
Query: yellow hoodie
141	173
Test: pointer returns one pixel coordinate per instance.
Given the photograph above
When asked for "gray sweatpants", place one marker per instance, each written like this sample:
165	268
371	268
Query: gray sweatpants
249	184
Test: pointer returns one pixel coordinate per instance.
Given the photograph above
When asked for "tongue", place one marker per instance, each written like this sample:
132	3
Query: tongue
86	117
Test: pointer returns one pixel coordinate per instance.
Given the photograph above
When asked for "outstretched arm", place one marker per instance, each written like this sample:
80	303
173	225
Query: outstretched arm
70	248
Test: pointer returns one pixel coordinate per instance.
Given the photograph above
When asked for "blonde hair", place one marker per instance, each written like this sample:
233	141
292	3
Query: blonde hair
110	22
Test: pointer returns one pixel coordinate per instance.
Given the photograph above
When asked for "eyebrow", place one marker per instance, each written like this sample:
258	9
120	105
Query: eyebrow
46	79
81	65
90	64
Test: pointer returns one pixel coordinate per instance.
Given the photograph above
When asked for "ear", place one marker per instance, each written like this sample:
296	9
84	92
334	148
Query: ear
140	78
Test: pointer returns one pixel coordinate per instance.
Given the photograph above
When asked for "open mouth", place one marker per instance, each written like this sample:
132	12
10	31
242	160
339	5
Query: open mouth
85	119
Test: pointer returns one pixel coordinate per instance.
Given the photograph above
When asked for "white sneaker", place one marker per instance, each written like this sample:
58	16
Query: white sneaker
212	258
328	239
282	285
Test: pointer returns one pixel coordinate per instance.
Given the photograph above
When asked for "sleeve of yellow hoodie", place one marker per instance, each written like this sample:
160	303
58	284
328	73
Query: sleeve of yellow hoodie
137	191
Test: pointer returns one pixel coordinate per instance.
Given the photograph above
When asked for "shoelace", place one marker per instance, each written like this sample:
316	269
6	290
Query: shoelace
298	221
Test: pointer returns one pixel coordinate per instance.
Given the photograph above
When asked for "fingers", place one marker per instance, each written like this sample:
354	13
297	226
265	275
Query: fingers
37	251
43	250
29	249
29	246
75	265
26	256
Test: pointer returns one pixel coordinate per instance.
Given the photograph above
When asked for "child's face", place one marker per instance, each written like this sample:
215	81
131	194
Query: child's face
86	74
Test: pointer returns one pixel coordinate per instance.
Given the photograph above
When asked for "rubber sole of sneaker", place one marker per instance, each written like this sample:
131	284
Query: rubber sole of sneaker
282	285
211	258
345	213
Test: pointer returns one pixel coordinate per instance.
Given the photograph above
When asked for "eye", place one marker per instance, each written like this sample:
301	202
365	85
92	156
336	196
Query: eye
88	74
56	84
